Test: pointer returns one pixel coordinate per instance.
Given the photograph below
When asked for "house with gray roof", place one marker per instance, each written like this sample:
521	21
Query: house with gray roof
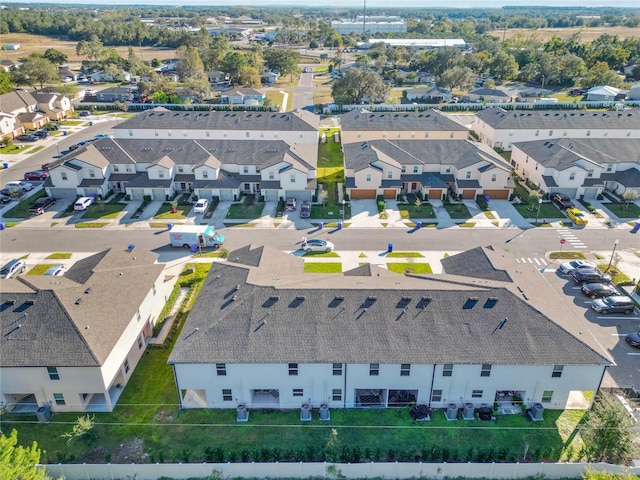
159	168
19	111
437	94
579	167
432	168
491	95
242	96
71	344
56	106
264	334
500	128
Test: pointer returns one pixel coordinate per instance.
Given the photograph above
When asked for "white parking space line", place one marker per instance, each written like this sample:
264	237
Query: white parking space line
630	353
619	334
608	317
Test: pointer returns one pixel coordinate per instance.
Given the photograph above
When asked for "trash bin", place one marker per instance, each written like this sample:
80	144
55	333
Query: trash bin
5	165
2	226
64	133
418	224
131	246
389	247
194	248
91	124
320	225
636	228
339	225
169	226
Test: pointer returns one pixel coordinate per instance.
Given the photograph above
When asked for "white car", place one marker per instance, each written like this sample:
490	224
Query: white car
573	264
202	206
56	270
83	203
19	185
317	245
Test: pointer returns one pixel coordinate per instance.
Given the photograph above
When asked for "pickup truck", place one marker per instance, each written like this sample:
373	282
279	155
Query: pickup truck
40	205
562	201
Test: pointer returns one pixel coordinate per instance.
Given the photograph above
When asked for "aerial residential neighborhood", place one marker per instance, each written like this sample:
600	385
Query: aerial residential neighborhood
319	243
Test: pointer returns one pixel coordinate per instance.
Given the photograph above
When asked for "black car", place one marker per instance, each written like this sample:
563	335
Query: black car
85	113
41	134
11	192
633	339
27	137
4	199
586	275
52	126
562	201
305	210
40	205
596	290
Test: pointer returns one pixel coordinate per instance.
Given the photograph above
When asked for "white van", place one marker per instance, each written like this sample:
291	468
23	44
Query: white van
83	203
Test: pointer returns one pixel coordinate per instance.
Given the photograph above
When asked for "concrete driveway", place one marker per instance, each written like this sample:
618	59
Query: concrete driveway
364	214
505	211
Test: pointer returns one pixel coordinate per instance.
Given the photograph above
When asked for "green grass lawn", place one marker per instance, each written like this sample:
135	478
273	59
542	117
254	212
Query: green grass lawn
91	224
165	211
14	148
622	210
457	211
330	172
40	269
321	254
239	211
547	211
104	210
329	153
318	267
567	256
59	256
425	210
404	255
22	209
406	267
330	212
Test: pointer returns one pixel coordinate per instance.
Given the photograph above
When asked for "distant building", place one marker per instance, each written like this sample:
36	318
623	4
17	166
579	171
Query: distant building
11	46
605	93
420	43
346	27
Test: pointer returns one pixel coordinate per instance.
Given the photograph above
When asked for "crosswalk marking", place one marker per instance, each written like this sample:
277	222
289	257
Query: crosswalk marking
535	260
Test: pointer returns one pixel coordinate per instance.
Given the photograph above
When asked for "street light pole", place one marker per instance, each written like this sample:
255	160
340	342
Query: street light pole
343	203
538	213
615	244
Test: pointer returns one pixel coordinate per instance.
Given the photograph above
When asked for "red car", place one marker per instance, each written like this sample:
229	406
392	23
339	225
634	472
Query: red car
36	175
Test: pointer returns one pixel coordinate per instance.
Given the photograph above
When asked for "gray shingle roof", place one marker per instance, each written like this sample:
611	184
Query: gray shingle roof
474	263
255	315
490	92
298	120
431	120
142	180
502	119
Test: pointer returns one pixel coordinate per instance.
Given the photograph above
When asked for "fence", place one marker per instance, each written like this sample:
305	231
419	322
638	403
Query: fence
327	470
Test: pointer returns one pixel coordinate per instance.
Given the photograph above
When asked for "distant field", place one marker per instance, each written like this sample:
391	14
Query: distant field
586	34
37	43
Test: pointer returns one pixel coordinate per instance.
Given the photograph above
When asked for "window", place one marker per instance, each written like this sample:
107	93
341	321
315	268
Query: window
160	174
63	175
476	394
415	169
180	169
572	176
468	174
368	178
292	178
275	134
447	369
511	133
272	175
92	173
589	173
257	169
413	134
609	168
436	396
399	134
227	395
126	365
116	168
426	134
53	373
404	169
247	134
384	134
208	133
59	398
155	133
447	169
224	134
494	177
546	396
245	169
293	369
486	370
359	134
336	395
405	369
140	342
337	369
537	132
184	133
169	133
451	135
131	133
298	392
128	169
221	369
374	369
557	371
588	133
550	133
390	174
205	174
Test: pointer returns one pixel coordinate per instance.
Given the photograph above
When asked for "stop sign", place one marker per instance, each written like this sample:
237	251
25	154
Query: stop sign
562	241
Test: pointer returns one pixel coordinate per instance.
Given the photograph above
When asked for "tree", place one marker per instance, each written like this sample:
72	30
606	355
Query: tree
135	65
358	85
19	462
5	82
601	74
534	197
218	48
189	64
504	66
55	56
249	77
232	63
608	431
629	196
199	88
595	475
91	49
456	77
82	428
37	71
283	60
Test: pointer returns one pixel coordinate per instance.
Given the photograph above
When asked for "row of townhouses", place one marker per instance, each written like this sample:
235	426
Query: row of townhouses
21	110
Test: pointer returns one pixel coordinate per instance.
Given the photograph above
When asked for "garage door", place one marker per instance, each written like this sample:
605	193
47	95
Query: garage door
300	195
570	192
226	195
497	194
271	195
390	194
63	193
360	193
159	194
468	194
435	194
137	194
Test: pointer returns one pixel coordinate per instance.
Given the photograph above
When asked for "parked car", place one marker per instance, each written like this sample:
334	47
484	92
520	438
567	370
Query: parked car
633	339
13	268
201	206
40	205
103	135
577	91
576	216
317	245
614	304
597	290
85	113
83	203
290	204
573	264
562	201
41	134
4	199
52	126
587	275
19	185
305	210
27	137
45	167
73	147
12	192
56	270
38	175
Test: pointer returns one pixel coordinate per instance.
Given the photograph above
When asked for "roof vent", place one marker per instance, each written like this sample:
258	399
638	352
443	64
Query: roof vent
490	302
470	303
270	302
423	303
336	302
404	301
369	301
78	301
88	290
296	302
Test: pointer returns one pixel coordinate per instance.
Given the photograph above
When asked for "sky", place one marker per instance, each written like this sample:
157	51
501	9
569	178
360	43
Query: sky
356	3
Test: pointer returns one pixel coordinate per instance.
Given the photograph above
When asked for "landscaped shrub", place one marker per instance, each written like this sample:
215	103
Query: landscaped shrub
381	203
